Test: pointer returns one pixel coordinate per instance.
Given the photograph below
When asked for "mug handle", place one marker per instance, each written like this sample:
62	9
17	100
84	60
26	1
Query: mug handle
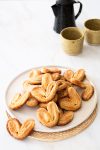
80	9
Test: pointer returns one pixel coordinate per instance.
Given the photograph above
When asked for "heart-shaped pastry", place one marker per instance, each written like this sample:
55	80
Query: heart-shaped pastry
88	89
19	131
79	75
65	117
35	77
68	75
47	95
19	100
50	116
73	102
87	92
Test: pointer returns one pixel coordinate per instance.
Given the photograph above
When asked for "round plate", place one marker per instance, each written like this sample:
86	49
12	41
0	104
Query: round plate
26	112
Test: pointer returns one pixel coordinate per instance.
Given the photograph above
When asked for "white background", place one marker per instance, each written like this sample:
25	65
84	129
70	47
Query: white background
27	40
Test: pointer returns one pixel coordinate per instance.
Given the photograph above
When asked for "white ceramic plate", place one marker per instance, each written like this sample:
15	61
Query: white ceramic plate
26	112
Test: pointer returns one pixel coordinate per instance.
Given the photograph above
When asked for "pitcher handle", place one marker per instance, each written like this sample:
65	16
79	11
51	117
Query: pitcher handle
80	9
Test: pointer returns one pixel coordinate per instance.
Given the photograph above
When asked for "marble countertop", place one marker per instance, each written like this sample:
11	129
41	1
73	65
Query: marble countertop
27	40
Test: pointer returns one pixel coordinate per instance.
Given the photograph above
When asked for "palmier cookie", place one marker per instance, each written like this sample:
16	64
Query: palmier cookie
79	75
45	96
50	116
65	117
19	100
88	89
72	102
18	130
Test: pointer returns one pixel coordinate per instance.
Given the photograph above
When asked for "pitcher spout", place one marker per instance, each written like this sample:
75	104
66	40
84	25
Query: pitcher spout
55	9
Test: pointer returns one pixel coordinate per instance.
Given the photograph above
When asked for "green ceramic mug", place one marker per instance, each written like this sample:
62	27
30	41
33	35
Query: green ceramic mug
72	40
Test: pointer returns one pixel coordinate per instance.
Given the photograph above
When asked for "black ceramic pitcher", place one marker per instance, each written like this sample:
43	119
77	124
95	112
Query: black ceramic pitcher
64	14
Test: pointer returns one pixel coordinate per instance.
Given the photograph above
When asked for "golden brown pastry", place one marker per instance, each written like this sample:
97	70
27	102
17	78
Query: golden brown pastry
19	100
35	80
51	90
44	105
77	83
73	102
65	117
35	77
56	76
19	131
47	95
50	70
68	75
79	75
88	92
34	73
62	77
50	116
61	85
88	89
32	102
46	79
27	86
39	93
62	93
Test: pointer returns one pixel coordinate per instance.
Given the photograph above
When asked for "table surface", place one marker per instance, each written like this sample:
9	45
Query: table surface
27	40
